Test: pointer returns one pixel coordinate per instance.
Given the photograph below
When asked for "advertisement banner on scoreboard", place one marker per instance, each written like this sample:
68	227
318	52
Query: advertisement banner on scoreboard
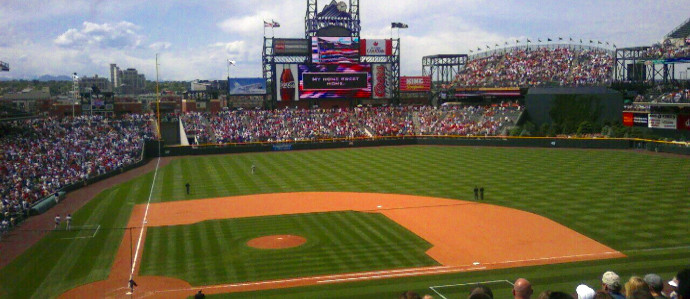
246	86
286	82
291	47
376	47
641	120
684	122
662	121
380	74
334	81
628	119
334	50
419	83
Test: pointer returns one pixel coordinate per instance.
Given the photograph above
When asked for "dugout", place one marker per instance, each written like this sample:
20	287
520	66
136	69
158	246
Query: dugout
573	105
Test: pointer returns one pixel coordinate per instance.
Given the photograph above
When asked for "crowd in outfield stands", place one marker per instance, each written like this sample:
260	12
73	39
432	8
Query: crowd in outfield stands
651	286
301	125
42	155
538	67
667	50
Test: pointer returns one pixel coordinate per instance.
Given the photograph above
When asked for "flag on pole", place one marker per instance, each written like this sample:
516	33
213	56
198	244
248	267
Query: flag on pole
231	62
548	39
268	24
560	38
398	25
529	41
275	24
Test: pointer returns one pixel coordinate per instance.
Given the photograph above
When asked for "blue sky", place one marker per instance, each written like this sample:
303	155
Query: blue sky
195	38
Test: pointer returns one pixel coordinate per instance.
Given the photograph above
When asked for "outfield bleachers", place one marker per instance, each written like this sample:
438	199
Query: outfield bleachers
525	67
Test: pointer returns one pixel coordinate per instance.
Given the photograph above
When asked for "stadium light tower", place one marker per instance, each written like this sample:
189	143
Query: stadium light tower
75	91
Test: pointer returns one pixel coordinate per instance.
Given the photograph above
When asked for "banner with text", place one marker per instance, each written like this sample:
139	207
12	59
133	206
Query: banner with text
662	121
380	73
291	47
376	47
334	81
419	83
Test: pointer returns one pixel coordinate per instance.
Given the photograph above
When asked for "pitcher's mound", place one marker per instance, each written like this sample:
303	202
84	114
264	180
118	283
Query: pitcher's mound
276	242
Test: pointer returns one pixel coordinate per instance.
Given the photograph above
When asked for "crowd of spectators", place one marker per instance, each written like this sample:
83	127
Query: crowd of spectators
41	156
272	125
667	50
302	125
651	286
539	67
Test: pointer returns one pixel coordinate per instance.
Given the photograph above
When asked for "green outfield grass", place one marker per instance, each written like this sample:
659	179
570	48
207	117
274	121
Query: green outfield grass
337	242
634	202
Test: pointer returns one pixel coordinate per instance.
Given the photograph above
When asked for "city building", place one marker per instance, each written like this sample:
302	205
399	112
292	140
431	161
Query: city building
87	83
128	81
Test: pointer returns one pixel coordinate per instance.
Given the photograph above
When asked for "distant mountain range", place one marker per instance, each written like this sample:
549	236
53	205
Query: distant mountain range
43	78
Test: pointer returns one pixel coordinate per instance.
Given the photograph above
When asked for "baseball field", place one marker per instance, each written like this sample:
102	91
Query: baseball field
370	223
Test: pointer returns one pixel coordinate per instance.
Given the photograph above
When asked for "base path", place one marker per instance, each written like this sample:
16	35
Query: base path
466	236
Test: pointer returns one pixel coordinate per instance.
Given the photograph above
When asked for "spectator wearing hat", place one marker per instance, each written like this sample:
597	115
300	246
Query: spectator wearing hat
584	292
656	285
611	283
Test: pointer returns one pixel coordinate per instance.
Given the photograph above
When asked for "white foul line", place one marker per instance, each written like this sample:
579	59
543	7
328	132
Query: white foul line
143	221
433	288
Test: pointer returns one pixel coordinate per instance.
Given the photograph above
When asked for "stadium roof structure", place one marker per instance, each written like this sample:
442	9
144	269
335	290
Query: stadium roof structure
682	31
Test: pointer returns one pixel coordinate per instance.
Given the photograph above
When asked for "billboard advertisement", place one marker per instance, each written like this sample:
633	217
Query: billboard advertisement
334	81
286	82
246	86
380	74
290	47
684	122
632	119
376	47
334	50
662	121
640	120
419	83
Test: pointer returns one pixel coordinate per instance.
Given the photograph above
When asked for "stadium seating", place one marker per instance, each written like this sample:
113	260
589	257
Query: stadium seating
301	125
40	156
522	67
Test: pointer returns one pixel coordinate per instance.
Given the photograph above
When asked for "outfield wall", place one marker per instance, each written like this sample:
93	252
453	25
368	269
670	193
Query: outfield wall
543	142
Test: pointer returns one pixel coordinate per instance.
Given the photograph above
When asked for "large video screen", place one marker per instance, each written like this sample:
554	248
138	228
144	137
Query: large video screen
334	81
334	50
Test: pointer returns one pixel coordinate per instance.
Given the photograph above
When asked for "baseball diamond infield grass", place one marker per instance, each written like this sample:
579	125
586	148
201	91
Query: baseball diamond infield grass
634	202
371	242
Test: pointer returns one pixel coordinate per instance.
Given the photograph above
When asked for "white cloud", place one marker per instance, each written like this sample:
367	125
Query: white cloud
246	25
160	46
118	36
